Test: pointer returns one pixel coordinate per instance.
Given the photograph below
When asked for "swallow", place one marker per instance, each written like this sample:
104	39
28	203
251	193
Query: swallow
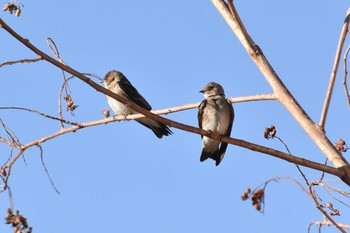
215	114
116	82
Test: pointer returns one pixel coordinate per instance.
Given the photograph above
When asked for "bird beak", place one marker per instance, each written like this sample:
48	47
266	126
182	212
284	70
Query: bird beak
202	91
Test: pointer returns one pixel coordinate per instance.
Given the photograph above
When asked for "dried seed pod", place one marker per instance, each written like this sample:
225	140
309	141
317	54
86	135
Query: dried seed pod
266	133
6	7
335	213
18	12
329	205
244	196
341	142
257	206
3	172
106	112
273	131
338	147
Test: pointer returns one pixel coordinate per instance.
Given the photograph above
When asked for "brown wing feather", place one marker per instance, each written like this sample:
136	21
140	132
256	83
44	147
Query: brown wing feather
223	145
200	113
132	94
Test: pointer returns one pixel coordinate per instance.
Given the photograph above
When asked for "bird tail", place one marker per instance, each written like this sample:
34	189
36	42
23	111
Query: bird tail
158	129
204	156
161	131
217	156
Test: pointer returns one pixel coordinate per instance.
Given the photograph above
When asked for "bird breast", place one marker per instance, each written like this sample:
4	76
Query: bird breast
216	116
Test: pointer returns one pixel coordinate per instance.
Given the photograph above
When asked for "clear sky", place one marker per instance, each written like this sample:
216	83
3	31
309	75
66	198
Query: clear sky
121	178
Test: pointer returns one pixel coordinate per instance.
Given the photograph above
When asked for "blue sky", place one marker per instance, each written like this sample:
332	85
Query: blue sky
121	178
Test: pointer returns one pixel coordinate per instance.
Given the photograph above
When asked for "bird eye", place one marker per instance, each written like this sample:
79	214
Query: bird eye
210	88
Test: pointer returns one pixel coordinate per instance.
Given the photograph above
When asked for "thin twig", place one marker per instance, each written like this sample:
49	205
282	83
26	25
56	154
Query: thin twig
320	208
282	178
21	61
346	75
332	196
60	99
45	168
334	72
41	114
10	134
327	223
299	169
322	175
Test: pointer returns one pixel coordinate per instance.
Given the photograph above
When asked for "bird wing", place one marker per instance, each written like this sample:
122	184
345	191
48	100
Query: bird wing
200	113
223	145
132	94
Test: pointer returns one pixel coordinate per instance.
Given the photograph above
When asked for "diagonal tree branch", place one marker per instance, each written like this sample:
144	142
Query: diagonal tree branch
346	76
241	143
281	92
328	98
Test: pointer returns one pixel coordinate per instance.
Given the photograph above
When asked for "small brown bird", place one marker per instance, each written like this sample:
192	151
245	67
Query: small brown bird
215	114
115	81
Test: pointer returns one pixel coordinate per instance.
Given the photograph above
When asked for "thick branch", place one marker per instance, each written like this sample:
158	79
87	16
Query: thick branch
280	90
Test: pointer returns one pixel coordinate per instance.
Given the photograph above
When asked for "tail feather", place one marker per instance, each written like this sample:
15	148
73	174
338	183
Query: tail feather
204	156
159	129
214	156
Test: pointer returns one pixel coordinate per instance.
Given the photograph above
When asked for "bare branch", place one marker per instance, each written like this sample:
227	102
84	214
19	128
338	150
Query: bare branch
327	223
21	61
346	75
41	114
45	168
327	101
320	208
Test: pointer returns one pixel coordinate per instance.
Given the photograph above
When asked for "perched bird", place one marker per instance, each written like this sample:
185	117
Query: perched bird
115	81
215	114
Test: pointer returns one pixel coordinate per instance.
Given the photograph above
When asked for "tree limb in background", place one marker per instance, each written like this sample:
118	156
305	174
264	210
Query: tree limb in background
346	76
328	98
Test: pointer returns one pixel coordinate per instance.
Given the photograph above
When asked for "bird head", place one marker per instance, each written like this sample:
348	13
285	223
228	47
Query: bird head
112	78
213	89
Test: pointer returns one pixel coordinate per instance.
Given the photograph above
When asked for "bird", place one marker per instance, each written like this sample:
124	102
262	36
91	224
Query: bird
215	114
116	82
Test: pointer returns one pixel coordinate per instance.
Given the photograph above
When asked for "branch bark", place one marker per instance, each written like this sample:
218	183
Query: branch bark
328	98
281	92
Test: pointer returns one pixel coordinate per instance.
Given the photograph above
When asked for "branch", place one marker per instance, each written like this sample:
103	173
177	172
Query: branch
320	208
21	61
41	114
327	223
237	142
327	101
280	90
346	75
